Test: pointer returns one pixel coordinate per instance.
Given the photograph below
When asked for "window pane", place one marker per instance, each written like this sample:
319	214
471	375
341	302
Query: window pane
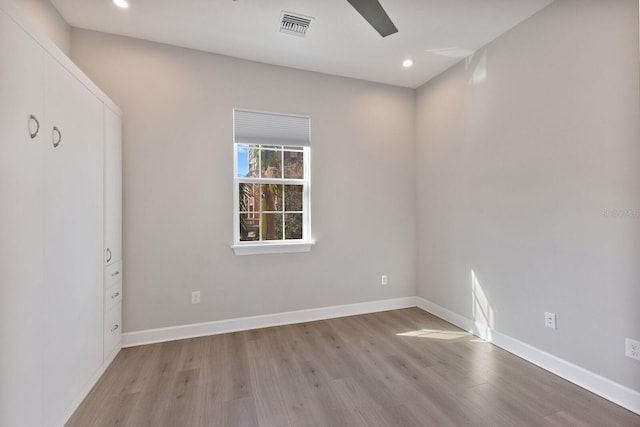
271	163
271	197
249	227
249	195
271	226
243	159
293	165
248	158
293	198
292	226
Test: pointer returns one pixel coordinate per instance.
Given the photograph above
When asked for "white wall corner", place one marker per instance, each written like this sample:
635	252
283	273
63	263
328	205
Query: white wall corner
610	390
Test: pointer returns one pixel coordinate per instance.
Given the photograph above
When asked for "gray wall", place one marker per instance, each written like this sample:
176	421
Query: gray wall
177	148
528	175
47	18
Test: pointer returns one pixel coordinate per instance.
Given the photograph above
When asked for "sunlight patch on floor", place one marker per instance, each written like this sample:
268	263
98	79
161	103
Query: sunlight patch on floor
435	334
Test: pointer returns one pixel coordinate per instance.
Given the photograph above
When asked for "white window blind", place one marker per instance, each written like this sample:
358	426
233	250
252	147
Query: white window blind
259	127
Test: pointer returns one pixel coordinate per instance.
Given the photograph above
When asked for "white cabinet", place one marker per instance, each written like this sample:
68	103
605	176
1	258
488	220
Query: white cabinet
53	308
73	237
112	331
112	235
21	225
112	297
112	186
112	312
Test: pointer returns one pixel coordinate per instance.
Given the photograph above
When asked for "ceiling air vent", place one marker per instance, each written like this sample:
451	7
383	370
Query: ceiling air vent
294	24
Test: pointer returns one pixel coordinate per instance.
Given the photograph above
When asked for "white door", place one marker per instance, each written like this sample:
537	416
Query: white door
113	186
21	226
73	281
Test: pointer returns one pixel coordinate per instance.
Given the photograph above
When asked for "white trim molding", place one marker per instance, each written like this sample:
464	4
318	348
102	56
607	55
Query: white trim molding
278	247
610	390
150	336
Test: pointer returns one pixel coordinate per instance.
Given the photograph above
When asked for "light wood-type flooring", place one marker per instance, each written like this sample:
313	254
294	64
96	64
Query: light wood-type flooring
396	368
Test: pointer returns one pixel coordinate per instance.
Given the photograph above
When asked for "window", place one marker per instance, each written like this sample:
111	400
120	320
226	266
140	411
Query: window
271	182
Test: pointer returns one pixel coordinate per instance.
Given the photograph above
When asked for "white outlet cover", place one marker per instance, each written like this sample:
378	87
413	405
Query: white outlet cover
632	348
550	320
195	297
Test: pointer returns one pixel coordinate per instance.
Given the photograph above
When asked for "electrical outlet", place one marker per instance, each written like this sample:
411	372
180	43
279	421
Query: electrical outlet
632	348
550	320
383	280
195	297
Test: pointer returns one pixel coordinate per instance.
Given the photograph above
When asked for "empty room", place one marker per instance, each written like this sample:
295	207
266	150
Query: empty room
319	213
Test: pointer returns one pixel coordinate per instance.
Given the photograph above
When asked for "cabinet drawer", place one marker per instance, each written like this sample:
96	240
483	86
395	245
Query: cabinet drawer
112	328
113	273
113	295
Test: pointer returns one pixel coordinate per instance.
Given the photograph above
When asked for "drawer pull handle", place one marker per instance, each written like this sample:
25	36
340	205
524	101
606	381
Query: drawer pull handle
108	254
115	328
56	141
115	274
116	295
34	119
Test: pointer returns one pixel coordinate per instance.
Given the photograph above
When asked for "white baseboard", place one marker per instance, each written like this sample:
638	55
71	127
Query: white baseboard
616	393
150	336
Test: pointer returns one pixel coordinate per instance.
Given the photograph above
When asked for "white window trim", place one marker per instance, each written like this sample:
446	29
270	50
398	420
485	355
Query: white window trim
273	246
277	247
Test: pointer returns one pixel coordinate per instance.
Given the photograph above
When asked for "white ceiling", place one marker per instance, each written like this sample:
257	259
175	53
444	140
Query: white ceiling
339	40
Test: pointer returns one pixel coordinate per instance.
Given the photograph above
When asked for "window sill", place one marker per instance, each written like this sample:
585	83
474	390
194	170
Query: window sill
271	248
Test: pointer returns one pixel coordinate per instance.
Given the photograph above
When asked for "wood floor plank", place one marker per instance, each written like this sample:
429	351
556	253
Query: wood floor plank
239	412
397	368
324	408
265	385
185	400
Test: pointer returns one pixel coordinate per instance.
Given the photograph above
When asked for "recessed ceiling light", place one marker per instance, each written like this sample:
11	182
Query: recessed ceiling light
121	3
407	63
